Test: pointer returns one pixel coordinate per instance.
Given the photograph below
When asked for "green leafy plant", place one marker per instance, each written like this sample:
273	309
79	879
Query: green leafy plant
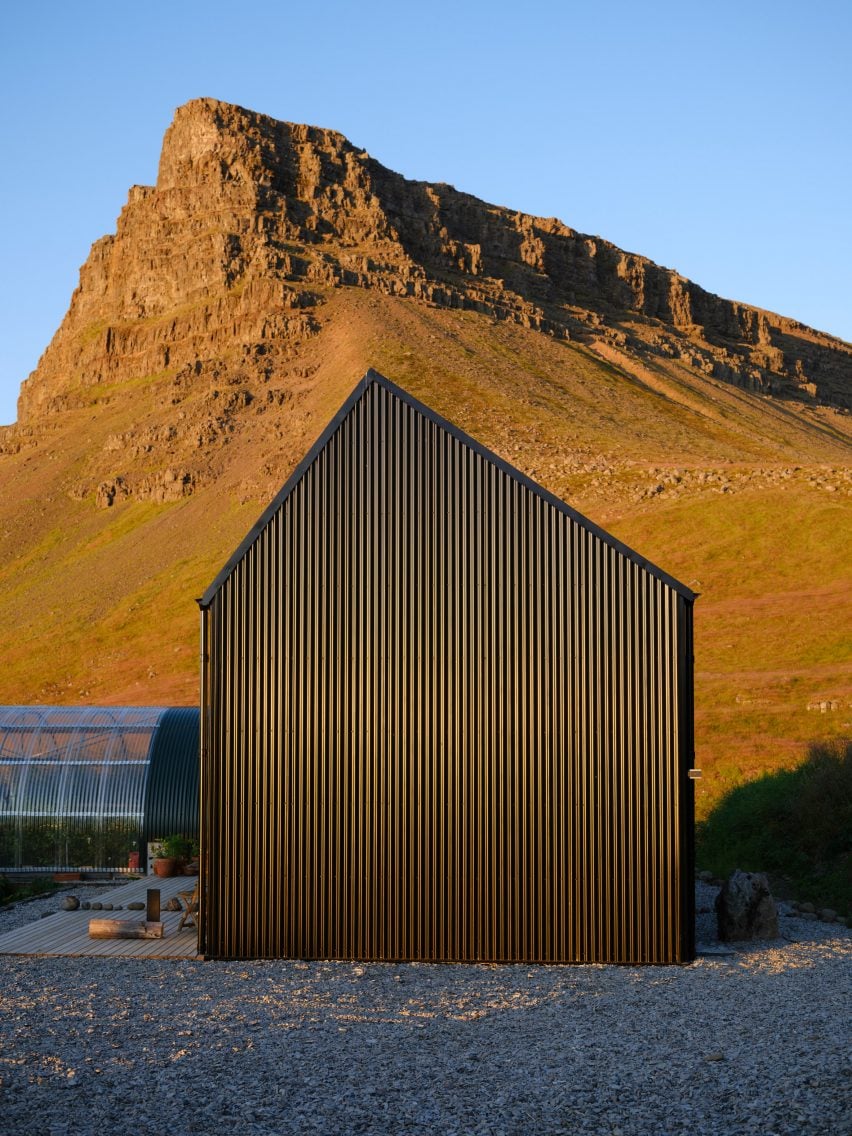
174	847
13	893
795	824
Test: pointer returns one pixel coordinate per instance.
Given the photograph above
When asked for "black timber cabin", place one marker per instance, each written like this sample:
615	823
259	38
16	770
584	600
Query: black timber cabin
444	716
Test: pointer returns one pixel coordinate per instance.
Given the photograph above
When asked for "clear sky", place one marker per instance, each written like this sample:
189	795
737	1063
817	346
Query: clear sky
714	138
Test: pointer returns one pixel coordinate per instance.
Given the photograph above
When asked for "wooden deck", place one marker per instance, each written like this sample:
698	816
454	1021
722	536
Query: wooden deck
67	932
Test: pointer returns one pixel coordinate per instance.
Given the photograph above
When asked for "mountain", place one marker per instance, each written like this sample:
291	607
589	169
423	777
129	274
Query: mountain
213	336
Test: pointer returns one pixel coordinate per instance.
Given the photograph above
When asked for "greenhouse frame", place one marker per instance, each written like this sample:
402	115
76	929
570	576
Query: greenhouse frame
86	788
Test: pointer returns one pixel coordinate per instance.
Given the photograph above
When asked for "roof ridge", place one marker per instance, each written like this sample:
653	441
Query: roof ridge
374	378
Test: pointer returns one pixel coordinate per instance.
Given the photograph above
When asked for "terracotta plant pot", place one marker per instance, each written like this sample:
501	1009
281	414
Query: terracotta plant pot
165	866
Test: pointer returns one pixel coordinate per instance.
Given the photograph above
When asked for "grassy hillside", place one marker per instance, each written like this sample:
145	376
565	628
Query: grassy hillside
745	498
773	625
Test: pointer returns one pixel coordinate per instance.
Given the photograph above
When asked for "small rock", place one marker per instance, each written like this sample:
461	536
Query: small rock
85	905
97	906
828	915
745	908
808	908
107	907
70	903
715	1057
136	906
117	907
172	904
705	876
45	914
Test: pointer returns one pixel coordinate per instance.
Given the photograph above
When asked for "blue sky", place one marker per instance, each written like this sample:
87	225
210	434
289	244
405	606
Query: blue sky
715	139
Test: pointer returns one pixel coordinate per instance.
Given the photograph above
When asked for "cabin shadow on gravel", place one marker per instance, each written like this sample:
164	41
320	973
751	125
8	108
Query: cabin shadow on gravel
795	824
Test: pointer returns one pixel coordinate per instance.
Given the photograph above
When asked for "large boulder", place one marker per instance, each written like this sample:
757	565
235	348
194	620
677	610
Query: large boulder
745	908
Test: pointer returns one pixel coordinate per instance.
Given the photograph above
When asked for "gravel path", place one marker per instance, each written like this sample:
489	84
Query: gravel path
754	1041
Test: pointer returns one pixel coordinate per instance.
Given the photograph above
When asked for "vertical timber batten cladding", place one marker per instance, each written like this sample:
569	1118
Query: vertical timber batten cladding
443	716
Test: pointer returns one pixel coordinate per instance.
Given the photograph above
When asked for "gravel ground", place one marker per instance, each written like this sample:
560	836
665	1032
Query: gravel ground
756	1040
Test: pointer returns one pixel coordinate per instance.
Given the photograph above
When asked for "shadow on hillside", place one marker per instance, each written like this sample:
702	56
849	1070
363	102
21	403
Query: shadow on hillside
795	824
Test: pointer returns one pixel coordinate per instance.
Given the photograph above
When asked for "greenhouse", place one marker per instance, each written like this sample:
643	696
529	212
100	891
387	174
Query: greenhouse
86	788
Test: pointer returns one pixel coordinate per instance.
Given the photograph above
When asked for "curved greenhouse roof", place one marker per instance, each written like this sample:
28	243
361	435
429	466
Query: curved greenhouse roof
84	787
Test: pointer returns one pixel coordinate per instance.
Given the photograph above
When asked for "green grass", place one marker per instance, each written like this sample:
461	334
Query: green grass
772	628
94	394
794	824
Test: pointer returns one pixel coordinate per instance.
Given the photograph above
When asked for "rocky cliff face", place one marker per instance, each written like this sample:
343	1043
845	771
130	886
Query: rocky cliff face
222	269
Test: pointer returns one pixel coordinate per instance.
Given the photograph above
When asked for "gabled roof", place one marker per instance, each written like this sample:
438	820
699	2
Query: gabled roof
358	393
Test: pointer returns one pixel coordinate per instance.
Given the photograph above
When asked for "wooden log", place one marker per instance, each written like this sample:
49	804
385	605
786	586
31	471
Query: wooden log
124	929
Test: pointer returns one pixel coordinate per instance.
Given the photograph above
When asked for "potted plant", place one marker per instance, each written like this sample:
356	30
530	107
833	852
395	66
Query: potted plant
169	857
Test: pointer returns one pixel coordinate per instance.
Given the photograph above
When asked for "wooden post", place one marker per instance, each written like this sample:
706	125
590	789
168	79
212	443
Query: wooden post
152	907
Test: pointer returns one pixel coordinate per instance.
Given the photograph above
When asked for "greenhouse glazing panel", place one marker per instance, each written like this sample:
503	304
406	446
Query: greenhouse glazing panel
72	785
